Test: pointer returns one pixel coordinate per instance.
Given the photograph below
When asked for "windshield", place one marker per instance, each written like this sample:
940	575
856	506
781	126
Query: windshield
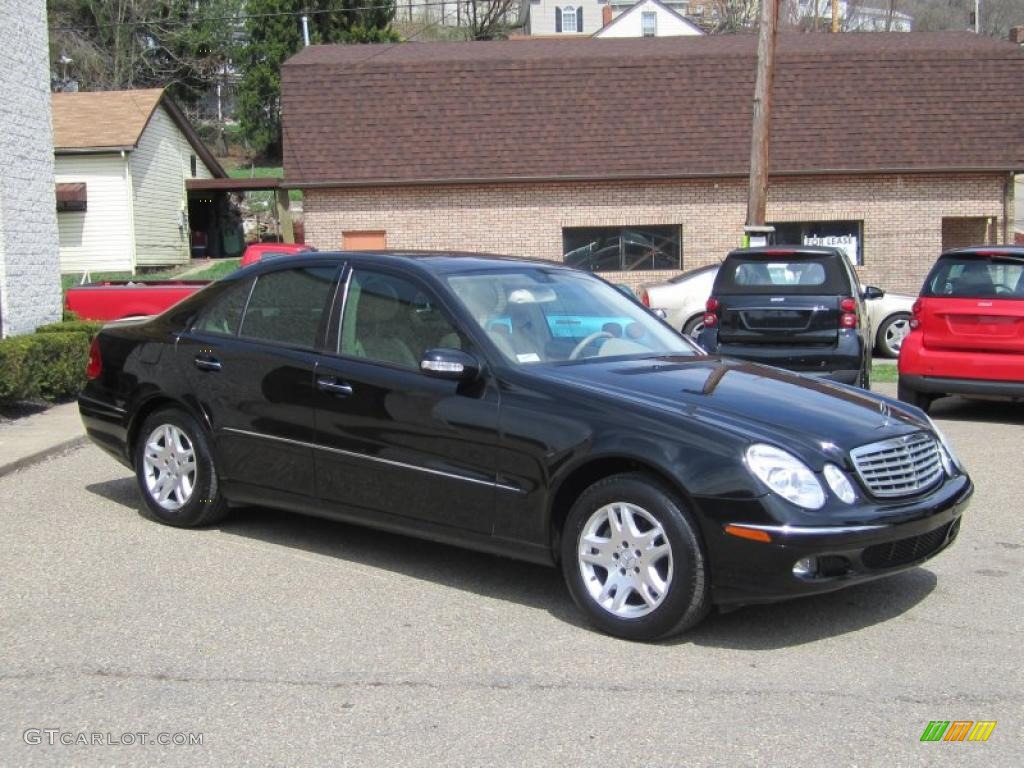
966	277
538	315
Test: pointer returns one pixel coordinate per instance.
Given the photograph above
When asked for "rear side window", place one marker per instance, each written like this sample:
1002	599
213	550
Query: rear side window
797	275
288	306
967	277
224	314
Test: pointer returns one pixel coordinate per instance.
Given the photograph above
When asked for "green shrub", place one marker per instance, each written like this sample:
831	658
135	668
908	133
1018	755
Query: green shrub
88	327
48	365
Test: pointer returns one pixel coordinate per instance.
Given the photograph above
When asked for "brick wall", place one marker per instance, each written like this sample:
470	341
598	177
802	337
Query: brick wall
902	216
29	272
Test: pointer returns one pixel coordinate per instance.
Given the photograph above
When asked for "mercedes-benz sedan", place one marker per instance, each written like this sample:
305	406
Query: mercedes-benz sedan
525	409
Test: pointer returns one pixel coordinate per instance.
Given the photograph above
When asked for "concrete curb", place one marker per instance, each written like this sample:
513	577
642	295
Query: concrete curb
46	453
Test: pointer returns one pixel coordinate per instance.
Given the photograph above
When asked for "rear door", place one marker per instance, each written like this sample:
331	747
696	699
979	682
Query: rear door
779	301
974	302
250	359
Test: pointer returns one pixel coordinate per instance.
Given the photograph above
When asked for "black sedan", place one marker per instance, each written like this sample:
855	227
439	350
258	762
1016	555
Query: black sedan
524	409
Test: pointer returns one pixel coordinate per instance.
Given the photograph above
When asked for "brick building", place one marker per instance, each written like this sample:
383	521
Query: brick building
630	156
29	274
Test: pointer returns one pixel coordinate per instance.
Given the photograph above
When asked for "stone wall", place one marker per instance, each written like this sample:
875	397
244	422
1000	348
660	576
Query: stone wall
29	268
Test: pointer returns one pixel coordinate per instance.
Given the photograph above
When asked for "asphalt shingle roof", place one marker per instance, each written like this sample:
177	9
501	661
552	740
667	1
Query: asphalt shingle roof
648	108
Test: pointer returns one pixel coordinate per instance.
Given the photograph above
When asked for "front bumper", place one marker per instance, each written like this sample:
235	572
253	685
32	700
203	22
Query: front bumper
871	541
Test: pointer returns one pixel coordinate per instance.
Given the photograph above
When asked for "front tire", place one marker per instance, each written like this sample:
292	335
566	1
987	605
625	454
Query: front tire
907	395
175	471
633	560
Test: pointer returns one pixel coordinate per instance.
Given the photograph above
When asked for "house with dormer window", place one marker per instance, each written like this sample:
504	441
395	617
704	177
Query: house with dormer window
583	18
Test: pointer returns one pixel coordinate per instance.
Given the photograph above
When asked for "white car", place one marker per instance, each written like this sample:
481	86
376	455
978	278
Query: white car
682	299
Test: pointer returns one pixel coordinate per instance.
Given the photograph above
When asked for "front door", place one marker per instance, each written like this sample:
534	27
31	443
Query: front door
392	441
250	359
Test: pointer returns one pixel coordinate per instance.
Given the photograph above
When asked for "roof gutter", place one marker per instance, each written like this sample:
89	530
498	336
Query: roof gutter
469	181
92	150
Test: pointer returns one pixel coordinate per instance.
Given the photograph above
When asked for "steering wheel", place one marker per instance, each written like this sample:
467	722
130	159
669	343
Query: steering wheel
1000	288
578	349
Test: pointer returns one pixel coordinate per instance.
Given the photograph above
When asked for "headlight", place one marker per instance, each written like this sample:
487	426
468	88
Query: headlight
840	483
786	475
950	461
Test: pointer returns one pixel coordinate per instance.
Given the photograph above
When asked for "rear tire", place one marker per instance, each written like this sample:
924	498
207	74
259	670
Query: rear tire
907	395
693	327
659	592
175	471
891	333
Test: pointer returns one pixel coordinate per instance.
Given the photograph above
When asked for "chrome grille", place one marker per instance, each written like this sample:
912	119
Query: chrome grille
901	466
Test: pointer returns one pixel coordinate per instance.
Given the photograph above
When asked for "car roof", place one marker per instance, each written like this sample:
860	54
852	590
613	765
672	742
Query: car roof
438	262
1015	251
775	251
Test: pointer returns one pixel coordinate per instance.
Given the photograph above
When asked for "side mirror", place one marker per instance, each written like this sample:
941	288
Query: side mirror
451	364
870	292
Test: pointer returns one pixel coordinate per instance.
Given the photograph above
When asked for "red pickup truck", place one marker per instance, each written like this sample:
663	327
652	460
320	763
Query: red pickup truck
117	299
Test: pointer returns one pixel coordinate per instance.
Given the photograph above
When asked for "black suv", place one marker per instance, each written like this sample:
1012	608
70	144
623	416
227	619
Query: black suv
794	307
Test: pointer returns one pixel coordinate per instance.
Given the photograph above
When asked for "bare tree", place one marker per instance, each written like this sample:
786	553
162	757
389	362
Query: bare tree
488	19
734	15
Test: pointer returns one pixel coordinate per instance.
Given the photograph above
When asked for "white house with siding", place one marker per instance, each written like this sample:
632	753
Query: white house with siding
649	18
121	162
585	18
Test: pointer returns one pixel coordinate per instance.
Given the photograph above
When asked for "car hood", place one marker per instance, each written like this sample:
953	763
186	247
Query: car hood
809	416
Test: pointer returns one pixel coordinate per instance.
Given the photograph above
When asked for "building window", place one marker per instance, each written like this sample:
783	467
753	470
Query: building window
649	23
847	236
622	249
569	19
71	197
192	164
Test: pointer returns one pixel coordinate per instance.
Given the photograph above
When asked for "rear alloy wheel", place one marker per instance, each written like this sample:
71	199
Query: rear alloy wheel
693	327
632	559
891	333
907	395
175	471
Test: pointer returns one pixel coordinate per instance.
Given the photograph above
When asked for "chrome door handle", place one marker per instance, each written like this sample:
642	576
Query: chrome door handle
207	364
334	386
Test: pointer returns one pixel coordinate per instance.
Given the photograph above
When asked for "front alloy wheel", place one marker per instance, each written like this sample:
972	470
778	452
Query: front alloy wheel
633	559
625	560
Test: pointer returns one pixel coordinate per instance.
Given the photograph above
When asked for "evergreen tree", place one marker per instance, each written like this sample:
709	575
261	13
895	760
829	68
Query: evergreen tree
274	32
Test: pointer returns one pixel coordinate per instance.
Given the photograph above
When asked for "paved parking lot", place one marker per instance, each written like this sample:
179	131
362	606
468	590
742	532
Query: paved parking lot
292	641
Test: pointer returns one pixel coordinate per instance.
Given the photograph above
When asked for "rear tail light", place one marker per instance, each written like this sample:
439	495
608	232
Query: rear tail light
95	366
710	315
915	315
848	310
645	297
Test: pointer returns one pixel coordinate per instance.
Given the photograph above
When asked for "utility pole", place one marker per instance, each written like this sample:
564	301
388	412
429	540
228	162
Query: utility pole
835	16
977	16
758	196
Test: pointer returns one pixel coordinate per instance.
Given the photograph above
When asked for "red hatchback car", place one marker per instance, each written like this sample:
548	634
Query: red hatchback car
967	328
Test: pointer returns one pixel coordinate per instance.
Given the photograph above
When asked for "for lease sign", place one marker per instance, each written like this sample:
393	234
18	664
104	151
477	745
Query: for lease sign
845	243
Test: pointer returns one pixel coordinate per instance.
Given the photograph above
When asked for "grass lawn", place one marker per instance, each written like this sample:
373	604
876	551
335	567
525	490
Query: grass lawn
263	172
884	372
217	271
